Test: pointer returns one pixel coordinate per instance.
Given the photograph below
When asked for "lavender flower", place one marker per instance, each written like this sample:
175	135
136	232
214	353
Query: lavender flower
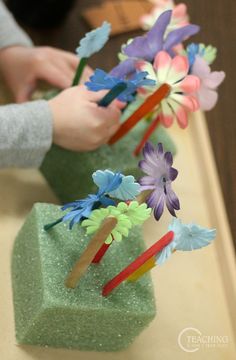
147	46
157	164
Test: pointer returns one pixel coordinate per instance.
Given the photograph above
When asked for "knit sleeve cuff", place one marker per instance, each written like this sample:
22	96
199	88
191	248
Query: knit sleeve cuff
26	134
10	32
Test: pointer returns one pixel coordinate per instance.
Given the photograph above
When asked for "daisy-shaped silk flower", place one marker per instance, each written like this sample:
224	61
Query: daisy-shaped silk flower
180	100
157	164
209	81
187	237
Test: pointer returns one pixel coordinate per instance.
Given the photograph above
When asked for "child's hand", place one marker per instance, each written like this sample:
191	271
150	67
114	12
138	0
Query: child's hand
79	123
21	67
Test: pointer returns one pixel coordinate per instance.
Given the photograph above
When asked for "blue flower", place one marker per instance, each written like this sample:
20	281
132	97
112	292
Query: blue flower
128	188
187	237
94	41
100	80
206	52
81	209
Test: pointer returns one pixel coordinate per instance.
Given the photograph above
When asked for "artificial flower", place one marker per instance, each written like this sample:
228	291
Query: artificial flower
96	218
180	99
147	46
100	80
179	16
127	190
94	41
208	53
157	164
137	213
209	81
80	209
187	237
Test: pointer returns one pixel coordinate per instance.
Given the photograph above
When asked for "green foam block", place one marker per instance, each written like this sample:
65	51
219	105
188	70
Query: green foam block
69	173
49	314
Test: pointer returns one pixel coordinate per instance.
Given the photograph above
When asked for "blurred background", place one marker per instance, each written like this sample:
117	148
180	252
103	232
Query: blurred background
62	23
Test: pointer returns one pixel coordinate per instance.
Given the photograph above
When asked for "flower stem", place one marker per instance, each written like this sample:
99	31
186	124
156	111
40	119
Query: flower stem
137	263
151	102
88	255
146	136
112	94
79	71
51	225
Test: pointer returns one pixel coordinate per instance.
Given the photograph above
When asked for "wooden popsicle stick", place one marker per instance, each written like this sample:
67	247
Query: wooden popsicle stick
147	266
151	102
142	197
88	255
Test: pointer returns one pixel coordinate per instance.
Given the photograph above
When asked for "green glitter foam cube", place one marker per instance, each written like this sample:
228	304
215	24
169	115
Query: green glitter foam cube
49	314
69	173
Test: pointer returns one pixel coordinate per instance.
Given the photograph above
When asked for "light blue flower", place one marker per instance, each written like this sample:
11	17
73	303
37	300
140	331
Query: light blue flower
208	53
187	237
100	80
127	190
94	41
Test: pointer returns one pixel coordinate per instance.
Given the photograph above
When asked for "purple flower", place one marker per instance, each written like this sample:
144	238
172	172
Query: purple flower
207	94
147	46
157	164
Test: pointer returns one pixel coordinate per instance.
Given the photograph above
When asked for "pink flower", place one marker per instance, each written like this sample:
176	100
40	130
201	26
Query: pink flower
209	82
179	15
180	100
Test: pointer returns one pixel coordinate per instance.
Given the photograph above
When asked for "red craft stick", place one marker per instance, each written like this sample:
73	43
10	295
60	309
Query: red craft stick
101	252
146	136
151	102
139	261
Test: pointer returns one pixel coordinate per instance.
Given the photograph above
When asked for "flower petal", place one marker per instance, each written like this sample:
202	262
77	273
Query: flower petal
162	64
179	69
166	116
207	98
177	36
189	102
214	79
125	68
190	84
180	113
146	66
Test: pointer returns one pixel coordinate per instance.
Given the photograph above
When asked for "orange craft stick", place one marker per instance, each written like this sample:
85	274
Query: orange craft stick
151	102
137	263
146	136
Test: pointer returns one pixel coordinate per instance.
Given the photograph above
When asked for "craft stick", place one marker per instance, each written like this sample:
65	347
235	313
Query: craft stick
142	197
151	102
79	71
101	252
88	255
137	263
143	269
146	136
112	94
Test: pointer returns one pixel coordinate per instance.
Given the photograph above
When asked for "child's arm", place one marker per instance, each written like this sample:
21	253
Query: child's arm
10	33
72	120
22	64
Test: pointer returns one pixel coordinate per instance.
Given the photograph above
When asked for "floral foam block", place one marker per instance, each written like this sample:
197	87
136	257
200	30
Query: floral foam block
49	314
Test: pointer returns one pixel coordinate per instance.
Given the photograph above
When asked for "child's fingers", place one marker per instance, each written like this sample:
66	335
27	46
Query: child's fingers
121	105
54	76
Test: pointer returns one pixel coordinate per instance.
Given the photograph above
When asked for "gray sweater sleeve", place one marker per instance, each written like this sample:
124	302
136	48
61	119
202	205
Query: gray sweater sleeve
25	130
25	134
10	32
